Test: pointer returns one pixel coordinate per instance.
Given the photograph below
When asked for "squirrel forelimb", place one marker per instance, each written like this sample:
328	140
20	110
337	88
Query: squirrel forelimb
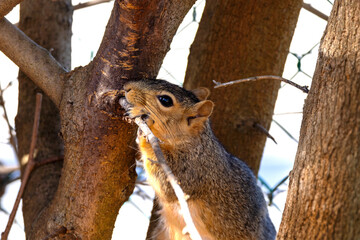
182	197
223	197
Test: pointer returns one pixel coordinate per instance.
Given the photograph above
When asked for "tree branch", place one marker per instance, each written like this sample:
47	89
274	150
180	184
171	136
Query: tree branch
6	6
11	134
265	131
90	3
28	169
140	33
35	61
313	10
302	88
181	196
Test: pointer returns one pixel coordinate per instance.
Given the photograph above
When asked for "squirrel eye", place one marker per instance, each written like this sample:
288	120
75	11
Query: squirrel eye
165	100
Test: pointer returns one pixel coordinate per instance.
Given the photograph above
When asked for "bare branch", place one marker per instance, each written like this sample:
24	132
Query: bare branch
6	6
181	196
49	160
12	136
7	170
90	3
35	61
287	113
29	166
263	130
141	193
313	10
302	88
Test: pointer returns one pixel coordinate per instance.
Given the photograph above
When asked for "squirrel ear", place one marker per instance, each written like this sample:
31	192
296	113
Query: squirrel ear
202	110
201	93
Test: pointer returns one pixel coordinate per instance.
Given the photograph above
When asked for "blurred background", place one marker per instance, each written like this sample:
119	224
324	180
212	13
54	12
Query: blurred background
277	158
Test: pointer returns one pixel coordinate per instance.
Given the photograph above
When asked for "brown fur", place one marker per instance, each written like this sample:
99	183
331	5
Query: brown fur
225	201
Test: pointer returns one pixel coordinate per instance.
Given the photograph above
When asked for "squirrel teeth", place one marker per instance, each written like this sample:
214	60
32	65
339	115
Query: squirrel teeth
124	103
128	120
126	106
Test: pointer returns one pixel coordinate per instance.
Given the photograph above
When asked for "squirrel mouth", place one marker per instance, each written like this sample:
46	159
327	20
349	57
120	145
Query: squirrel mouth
130	119
125	104
128	107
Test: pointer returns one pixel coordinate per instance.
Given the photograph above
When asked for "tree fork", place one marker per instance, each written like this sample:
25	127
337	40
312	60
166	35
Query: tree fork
56	15
98	173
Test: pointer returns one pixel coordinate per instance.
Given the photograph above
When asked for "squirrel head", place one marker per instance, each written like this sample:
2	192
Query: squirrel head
172	113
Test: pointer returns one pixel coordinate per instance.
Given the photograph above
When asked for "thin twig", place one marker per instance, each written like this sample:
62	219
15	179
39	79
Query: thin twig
142	182
265	131
7	170
2	104
305	89
29	166
280	183
90	3
313	10
271	194
287	113
181	196
49	160
137	208
141	193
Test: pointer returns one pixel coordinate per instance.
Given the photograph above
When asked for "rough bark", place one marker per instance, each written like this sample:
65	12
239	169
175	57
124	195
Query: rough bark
238	39
98	173
6	6
49	24
323	200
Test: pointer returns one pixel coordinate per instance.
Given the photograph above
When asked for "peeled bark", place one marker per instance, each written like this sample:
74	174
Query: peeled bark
323	201
238	39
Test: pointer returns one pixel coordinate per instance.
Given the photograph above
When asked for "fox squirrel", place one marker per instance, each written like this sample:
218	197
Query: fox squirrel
224	199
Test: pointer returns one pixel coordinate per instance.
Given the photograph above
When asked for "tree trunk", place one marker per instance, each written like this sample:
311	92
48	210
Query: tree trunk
323	201
49	24
98	174
238	39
